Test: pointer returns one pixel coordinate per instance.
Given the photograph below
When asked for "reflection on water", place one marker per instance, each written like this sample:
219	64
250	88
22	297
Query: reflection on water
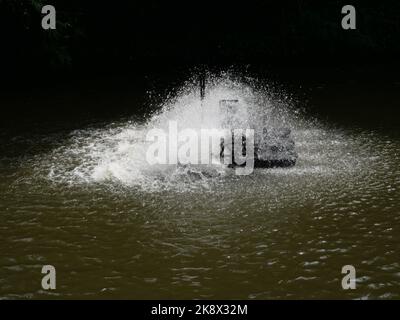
114	226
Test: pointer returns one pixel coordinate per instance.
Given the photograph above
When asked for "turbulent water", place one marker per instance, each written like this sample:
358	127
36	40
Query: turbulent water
115	226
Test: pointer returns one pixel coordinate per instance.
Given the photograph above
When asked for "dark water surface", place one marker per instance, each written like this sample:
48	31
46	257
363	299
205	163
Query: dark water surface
72	196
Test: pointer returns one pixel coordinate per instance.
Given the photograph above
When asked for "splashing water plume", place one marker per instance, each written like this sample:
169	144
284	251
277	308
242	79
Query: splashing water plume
116	155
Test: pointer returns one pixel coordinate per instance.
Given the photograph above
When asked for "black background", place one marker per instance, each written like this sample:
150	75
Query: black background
116	36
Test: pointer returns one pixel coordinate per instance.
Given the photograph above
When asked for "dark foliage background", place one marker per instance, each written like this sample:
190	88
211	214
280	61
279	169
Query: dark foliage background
118	35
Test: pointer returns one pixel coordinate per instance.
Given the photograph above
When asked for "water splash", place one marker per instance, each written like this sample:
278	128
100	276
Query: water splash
115	154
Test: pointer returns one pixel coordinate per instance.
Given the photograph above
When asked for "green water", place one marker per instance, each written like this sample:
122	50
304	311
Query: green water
278	233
